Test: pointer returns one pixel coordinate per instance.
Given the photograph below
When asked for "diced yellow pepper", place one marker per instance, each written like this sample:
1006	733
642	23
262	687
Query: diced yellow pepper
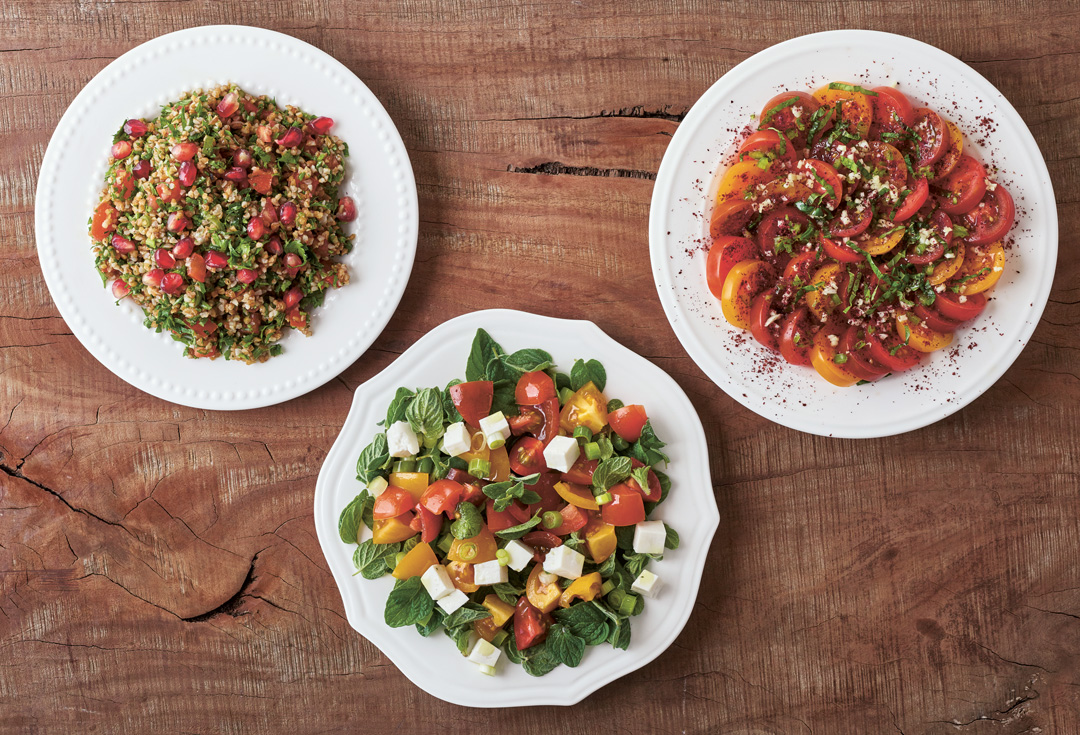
499	610
415	562
577	495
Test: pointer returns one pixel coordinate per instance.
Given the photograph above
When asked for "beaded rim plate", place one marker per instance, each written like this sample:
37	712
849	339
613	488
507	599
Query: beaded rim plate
794	396
434	664
379	177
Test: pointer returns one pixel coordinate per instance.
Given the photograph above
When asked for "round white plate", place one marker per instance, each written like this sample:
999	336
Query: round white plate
378	176
703	147
434	664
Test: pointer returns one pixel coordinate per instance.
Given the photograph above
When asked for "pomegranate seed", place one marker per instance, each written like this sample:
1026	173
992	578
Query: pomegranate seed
196	268
120	289
346	209
292	297
290	273
292	138
141	170
321	125
249	105
256	230
178	221
236	174
287	213
187	173
153	277
164	258
172	283
246	275
264	134
268	215
135	128
184	151
292	260
228	105
273	246
184	247
121	149
242	158
122	244
214	259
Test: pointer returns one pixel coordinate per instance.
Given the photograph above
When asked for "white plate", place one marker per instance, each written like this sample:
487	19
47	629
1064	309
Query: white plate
795	396
434	664
378	176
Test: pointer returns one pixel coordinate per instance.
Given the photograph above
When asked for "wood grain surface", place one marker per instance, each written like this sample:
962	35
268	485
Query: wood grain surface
159	570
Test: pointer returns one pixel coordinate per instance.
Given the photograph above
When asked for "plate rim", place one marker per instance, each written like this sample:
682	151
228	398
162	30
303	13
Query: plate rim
541	691
46	245
665	189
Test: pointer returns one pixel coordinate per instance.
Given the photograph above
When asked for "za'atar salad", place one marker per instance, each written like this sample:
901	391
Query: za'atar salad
853	233
512	509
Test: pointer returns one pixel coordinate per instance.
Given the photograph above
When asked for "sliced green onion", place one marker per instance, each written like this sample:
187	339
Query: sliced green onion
606	587
405	465
620	444
499	638
503	557
426	465
592	450
487	670
628	604
565	394
467	551
551	519
615	598
444	543
496	443
583	432
603	498
479	468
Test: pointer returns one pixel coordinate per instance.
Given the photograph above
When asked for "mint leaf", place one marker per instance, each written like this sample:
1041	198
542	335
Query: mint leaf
373	459
536	661
565	647
427	628
508	593
425	414
526	361
466	615
374	560
521	529
586	621
505	492
407	604
640	475
647	448
671	541
451	412
469	522
483	349
588	372
396	411
353	515
611	472
460	636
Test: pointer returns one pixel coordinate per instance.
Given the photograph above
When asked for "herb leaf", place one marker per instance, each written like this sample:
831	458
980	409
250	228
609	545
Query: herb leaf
373	459
611	472
588	371
374	560
585	620
483	349
519	530
353	514
565	647
407	604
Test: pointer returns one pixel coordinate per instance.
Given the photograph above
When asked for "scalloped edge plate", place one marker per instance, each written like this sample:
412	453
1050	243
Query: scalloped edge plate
794	396
434	664
379	177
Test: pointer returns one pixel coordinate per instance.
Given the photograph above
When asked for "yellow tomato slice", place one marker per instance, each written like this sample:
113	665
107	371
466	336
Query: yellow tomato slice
390	531
577	495
475	550
883	243
500	465
415	482
744	281
739	178
944	269
827	278
544	597
919	336
587	407
823	358
601	540
983	266
855	107
500	611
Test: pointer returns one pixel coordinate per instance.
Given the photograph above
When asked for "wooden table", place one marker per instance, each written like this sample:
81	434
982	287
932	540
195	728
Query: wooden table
159	568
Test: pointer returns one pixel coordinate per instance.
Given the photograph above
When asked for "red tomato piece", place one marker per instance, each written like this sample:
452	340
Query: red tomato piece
891	353
892	111
573	519
837	250
626	508
430	524
854	223
784	222
393	502
796	337
528	421
581	472
730	218
785	116
934	320
725	252
627	422
499	520
825	181
442	496
940	225
654	492
541	541
859	362
534	388
962	189
959	307
769	145
527	456
933	138
992	217
763	325
530	626
473	399
913	202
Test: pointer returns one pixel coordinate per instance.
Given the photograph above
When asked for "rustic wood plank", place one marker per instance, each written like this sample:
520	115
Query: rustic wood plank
159	567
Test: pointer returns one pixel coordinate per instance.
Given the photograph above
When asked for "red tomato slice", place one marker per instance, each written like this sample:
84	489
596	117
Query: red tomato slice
581	472
784	120
626	508
473	399
763	324
530	627
654	492
442	496
934	320
534	388
904	358
933	137
857	222
891	107
767	142
550	411
992	217
527	456
913	202
958	307
628	422
725	252
730	218
393	502
779	223
528	421
430	524
825	181
499	520
839	251
573	519
941	225
796	339
802	266
859	362
541	541
962	189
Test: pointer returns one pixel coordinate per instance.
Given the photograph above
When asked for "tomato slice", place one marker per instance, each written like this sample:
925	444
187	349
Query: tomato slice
654	491
960	307
769	145
499	520
581	472
626	508
851	222
744	282
628	422
891	353
430	524
779	113
725	252
527	456
442	496
534	388
473	399
962	189
393	502
530	628
550	411
730	218
837	250
933	137
938	238
573	519
951	158
858	353
784	223
763	319
825	181
796	339
992	217
802	266
541	542
892	111
827	358
528	421
913	202
935	320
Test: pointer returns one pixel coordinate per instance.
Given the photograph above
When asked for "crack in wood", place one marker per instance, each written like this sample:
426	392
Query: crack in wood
557	168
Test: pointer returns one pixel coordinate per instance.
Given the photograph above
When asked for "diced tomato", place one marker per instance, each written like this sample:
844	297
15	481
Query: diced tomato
528	421
530	627
545	488
573	519
473	399
527	456
105	219
170	191
550	411
581	472
628	422
626	508
499	520
542	542
653	493
534	388
430	524
393	502
442	496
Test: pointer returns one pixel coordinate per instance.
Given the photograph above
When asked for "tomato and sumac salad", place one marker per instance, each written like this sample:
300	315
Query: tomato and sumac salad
513	510
853	233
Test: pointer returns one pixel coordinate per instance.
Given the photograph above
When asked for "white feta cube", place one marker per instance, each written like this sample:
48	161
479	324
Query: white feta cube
496	429
484	654
647	584
457	440
561	453
489	572
564	561
451	602
377	486
649	537
402	440
437	582
520	555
